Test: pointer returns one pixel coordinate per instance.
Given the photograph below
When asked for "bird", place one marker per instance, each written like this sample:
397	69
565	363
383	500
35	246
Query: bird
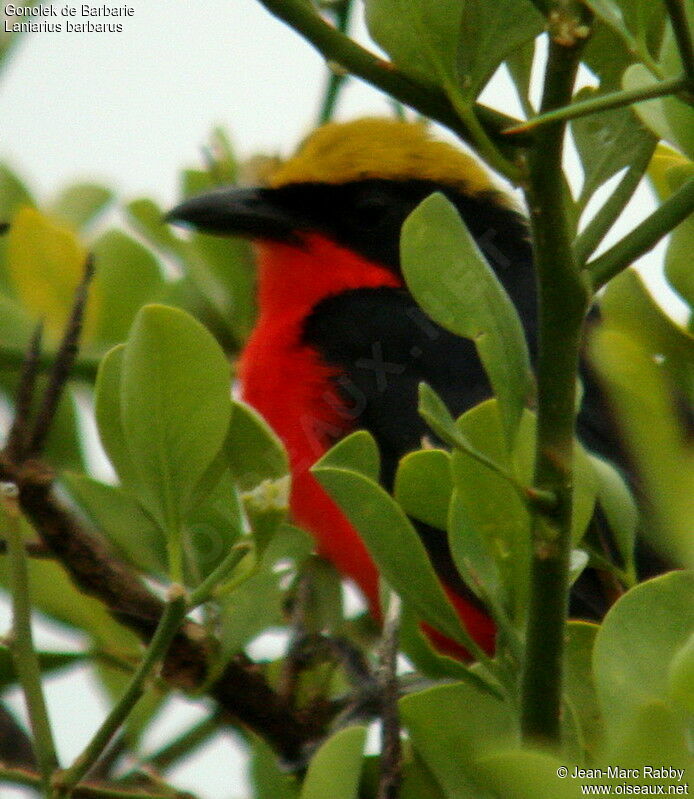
340	344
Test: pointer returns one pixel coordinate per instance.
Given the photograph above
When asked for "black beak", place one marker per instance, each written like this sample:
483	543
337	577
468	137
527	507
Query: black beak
252	212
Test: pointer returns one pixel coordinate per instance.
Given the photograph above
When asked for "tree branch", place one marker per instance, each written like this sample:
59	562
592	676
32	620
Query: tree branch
644	236
563	300
427	99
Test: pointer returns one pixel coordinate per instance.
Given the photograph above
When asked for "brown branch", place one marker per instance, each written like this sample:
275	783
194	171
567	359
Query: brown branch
64	360
19	431
15	744
241	690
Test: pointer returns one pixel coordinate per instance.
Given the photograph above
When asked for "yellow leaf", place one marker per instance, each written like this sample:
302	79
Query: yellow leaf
666	160
46	262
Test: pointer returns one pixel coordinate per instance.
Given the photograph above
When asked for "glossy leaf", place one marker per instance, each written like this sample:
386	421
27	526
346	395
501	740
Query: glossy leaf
46	263
420	36
490	525
253	450
121	520
638	640
654	437
395	546
668	117
128	277
524	774
335	768
629	307
579	685
176	406
423	486
357	452
619	506
606	143
457	720
467	298
107	409
79	204
488	34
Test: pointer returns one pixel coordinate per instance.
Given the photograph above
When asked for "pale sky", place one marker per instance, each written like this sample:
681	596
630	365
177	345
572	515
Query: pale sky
131	109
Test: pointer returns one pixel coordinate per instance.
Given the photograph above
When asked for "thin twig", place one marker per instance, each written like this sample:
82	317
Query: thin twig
20	776
20	641
595	231
182	746
19	431
390	772
683	37
427	98
65	358
336	77
604	102
169	623
644	236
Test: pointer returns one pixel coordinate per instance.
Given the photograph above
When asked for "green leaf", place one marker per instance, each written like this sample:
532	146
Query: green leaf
395	546
357	452
629	307
620	509
335	768
520	63
606	143
668	117
653	435
213	526
640	637
489	531
148	220
46	263
681	677
655	735
268	778
253	450
128	276
421	36
13	195
524	774
323	611
467	298
451	726
121	520
48	663
489	33
107	409
254	602
638	22
77	205
579	686
607	55
423	486
223	271
176	406
669	171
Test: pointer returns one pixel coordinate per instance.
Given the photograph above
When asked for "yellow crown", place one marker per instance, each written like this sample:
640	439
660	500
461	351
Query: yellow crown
390	149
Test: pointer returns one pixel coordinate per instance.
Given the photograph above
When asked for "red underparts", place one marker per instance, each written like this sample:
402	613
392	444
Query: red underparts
293	389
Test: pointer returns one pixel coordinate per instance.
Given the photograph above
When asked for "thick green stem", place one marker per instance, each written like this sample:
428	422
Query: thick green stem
589	240
563	299
21	641
336	77
168	626
604	102
680	27
427	99
644	236
20	776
